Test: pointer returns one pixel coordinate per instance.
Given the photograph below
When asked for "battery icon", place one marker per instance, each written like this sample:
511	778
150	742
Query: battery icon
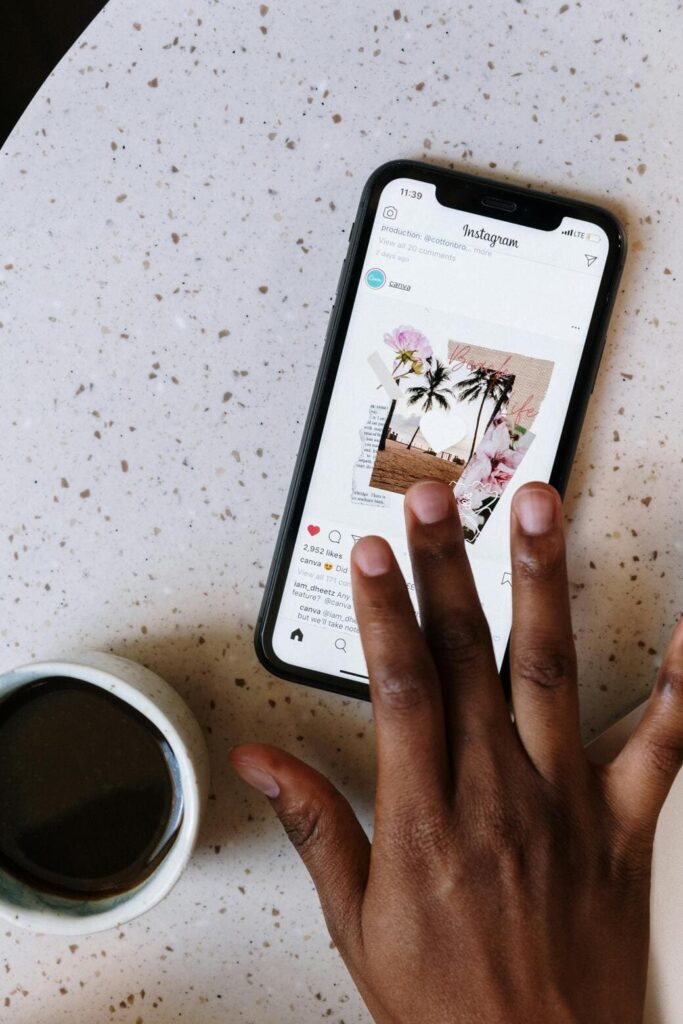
588	237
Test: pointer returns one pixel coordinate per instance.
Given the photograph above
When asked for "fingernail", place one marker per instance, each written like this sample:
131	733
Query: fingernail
372	555
535	510
430	502
257	778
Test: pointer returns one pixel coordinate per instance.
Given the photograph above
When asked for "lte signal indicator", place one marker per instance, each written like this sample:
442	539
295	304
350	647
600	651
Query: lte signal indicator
588	236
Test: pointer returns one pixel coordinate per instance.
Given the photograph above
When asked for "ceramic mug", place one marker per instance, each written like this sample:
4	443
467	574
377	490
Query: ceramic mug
27	907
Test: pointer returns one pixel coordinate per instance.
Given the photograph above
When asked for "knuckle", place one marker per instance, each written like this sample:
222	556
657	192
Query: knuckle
303	824
665	745
666	755
380	613
462	641
505	833
497	841
399	688
544	667
537	565
670	682
436	555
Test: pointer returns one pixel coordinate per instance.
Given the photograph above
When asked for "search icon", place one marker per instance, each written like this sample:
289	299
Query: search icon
340	643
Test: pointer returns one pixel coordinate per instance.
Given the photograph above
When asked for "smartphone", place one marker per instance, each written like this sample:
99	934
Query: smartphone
463	346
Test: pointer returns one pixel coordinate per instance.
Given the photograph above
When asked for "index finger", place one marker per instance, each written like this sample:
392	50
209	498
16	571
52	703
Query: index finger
407	703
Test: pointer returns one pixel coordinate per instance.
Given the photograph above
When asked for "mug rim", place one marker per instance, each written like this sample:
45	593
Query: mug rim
134	684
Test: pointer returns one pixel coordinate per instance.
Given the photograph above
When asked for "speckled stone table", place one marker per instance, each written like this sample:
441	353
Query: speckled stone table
174	209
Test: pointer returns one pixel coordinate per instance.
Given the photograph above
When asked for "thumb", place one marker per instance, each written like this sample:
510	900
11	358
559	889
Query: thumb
323	829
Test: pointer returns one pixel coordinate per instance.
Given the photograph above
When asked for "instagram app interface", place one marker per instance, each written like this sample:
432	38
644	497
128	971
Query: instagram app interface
458	365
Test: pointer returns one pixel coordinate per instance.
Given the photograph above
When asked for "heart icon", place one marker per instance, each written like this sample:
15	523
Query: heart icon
442	429
313	529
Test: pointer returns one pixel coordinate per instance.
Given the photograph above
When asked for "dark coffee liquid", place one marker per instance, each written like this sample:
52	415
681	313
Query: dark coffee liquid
89	790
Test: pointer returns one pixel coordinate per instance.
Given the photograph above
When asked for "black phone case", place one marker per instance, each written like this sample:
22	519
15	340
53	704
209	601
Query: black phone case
539	209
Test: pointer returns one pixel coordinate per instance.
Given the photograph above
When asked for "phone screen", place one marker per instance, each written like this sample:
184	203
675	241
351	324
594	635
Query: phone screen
458	364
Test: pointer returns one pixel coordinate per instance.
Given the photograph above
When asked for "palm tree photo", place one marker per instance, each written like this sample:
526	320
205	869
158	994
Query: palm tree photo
485	382
434	390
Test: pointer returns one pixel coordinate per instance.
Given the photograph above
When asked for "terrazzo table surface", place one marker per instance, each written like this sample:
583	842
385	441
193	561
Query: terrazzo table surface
174	209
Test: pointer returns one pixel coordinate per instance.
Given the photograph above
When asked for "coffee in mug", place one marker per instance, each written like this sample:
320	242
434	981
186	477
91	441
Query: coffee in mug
90	797
104	775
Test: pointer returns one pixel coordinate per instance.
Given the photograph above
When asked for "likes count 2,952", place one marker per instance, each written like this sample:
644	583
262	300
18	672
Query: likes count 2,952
321	587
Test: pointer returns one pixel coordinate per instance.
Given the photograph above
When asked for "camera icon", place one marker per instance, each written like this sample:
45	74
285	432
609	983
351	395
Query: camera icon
390	213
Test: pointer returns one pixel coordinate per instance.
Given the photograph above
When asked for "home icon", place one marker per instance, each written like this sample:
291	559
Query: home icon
296	635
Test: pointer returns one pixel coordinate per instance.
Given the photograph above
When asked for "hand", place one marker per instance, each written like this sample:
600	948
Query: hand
508	878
